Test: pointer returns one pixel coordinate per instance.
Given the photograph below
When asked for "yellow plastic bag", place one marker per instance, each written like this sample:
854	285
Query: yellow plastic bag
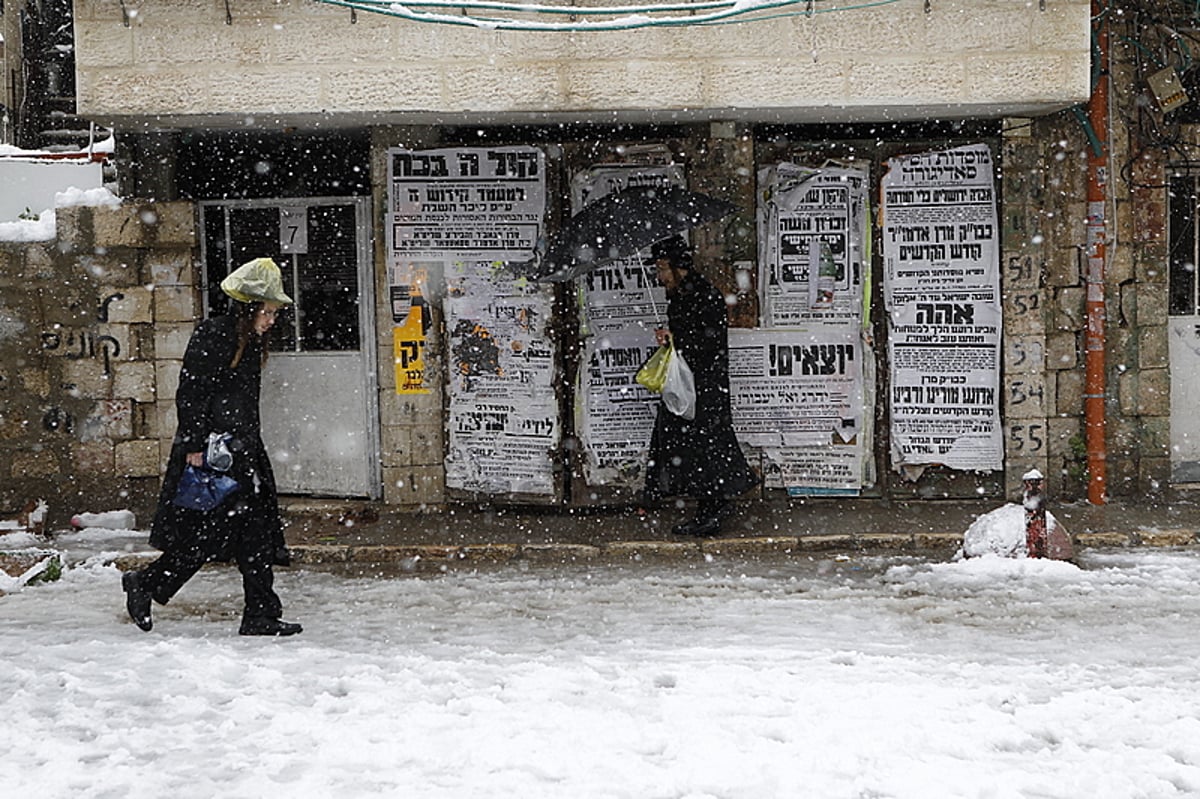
653	374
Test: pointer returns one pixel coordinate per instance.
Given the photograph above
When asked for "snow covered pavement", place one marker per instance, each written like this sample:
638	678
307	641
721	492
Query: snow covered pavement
869	677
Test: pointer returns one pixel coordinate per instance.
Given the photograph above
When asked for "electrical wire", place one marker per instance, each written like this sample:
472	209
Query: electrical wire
631	17
1159	35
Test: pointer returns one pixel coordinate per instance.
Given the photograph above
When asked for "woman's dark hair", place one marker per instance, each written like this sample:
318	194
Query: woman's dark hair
244	313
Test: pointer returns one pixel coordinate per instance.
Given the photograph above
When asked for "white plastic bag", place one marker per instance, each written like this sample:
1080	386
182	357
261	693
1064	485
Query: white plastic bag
217	456
679	390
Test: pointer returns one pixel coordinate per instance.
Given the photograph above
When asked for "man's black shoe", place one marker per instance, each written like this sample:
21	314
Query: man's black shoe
700	527
137	601
684	528
720	512
263	625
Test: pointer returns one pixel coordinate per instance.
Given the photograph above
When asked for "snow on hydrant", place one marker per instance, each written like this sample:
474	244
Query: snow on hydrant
1027	530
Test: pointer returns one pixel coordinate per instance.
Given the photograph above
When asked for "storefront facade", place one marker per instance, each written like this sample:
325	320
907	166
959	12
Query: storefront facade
902	270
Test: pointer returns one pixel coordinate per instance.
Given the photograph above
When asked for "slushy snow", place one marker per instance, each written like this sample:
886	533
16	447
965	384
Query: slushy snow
787	677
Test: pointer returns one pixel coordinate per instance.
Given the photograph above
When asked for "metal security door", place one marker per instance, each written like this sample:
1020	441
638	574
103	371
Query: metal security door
319	415
1183	328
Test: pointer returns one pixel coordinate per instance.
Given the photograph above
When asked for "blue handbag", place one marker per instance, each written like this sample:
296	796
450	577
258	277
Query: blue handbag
203	489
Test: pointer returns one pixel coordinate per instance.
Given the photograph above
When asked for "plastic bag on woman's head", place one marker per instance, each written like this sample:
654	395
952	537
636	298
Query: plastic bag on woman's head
679	390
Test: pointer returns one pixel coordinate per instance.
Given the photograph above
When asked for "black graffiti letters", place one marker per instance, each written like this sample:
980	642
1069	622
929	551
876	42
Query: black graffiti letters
79	344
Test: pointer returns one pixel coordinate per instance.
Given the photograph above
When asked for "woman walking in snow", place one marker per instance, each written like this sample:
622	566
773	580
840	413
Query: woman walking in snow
219	393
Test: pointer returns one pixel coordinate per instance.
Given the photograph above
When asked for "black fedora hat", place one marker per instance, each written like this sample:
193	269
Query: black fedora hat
674	249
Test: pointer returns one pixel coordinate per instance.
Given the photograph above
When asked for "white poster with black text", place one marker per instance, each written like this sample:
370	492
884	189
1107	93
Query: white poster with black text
797	396
622	294
621	305
615	413
503	419
455	218
812	229
942	293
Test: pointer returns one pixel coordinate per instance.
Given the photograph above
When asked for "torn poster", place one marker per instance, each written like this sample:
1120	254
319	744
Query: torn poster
942	293
811	218
615	415
503	415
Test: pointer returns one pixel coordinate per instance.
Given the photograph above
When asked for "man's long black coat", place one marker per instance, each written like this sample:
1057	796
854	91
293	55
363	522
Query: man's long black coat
699	458
214	397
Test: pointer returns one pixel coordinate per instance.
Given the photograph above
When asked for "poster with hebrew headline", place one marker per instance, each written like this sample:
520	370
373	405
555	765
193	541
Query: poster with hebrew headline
623	294
615	414
812	230
942	294
797	397
482	202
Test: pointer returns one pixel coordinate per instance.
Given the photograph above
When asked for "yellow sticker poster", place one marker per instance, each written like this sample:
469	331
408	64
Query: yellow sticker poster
408	348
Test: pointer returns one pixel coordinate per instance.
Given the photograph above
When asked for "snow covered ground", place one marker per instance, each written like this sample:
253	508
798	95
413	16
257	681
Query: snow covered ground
869	677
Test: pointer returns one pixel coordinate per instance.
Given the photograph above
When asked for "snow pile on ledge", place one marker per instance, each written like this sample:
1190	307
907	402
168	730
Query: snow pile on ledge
43	228
108	145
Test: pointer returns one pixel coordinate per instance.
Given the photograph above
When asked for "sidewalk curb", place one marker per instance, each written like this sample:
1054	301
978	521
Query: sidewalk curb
424	557
438	557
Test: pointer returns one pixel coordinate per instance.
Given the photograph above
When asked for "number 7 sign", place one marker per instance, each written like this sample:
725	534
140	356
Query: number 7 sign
293	231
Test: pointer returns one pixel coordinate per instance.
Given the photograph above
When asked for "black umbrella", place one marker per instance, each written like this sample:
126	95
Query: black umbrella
619	224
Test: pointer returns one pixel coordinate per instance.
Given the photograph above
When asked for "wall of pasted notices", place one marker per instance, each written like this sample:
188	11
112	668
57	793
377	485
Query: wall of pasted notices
93	327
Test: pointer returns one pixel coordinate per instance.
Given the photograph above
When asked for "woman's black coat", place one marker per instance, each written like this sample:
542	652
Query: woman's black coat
214	397
699	458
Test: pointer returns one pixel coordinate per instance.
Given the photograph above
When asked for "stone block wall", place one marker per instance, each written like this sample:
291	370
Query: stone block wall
10	49
1045	207
93	329
297	57
1030	387
81	322
412	426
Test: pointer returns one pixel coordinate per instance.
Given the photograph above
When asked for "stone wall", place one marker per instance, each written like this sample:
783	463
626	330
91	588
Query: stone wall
10	49
286	59
1030	388
1137	278
412	426
1045	231
92	328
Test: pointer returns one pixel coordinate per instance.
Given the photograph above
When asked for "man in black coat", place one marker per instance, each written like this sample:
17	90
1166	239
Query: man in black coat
700	458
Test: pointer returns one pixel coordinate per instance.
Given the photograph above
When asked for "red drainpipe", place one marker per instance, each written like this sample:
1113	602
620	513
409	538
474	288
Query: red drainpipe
1097	237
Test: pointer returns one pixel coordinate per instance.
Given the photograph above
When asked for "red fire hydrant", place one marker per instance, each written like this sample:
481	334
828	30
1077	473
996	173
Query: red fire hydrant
1036	538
